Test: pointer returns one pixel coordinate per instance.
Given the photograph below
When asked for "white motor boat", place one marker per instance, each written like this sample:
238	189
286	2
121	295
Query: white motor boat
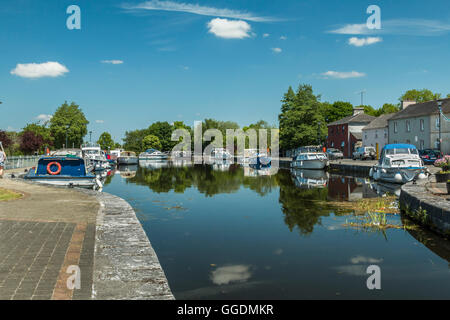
399	163
310	158
220	154
94	156
153	154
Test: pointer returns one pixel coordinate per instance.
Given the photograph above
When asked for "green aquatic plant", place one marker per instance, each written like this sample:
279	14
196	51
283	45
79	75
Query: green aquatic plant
375	221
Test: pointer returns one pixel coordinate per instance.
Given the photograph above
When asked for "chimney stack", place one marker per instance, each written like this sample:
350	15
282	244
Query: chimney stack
406	104
358	110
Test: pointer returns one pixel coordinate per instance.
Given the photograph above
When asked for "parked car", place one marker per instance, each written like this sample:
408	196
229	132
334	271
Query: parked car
364	153
334	154
428	156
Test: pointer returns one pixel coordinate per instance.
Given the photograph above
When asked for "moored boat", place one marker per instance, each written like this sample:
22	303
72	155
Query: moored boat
127	158
153	154
63	171
310	158
95	157
399	163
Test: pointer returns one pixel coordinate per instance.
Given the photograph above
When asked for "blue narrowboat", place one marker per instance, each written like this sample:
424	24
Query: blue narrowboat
63	171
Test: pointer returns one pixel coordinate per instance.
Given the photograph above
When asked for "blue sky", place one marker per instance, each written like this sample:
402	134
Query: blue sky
135	62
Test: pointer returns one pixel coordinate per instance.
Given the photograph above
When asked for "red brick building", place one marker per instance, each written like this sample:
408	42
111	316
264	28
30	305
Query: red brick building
344	134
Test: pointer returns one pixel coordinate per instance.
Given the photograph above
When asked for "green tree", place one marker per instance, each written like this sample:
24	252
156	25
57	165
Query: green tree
133	140
420	95
70	120
151	142
301	119
105	141
163	130
388	108
337	111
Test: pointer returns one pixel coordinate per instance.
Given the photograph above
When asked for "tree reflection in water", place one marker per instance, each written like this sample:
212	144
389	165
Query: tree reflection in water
302	208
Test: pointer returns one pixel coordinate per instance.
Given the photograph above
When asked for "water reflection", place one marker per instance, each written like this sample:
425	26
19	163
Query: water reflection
248	223
308	179
231	274
127	171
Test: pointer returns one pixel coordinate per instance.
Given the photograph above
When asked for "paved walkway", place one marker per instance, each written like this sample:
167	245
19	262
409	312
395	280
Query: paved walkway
40	239
48	231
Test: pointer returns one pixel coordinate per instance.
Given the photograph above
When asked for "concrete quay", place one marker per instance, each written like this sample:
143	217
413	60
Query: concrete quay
50	230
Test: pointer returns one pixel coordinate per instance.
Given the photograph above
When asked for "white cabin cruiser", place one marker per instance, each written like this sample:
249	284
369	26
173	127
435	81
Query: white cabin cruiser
399	163
153	154
94	156
310	158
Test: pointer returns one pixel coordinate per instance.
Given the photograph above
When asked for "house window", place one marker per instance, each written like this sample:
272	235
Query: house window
422	144
376	134
438	122
395	127
422	125
408	126
332	144
385	134
343	129
408	141
365	136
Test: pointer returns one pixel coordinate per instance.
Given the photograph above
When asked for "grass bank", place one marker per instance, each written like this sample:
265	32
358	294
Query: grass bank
6	195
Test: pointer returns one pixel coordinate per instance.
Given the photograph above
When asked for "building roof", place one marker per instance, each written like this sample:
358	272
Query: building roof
422	109
360	117
357	135
379	122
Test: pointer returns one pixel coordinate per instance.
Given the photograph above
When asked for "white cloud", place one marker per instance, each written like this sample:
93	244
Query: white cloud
359	42
265	35
44	117
229	29
196	9
99	121
415	27
277	50
112	61
365	260
343	75
352	29
39	70
283	38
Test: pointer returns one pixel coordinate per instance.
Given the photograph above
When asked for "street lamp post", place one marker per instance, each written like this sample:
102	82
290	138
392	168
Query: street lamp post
440	126
67	129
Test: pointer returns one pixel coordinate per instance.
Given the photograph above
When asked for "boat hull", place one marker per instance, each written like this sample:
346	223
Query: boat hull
85	182
127	160
396	175
315	164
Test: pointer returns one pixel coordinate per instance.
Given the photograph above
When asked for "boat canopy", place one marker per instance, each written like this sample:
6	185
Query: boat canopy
70	166
399	146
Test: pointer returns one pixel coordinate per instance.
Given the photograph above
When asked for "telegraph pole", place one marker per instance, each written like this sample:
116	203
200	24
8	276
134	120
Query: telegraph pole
362	96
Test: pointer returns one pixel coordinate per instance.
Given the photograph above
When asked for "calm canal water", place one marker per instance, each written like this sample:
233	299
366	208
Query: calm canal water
228	232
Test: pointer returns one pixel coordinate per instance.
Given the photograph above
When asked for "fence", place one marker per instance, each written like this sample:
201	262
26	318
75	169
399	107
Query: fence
21	162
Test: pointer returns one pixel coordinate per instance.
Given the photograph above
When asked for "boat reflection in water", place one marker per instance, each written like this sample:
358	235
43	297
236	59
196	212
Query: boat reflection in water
344	188
251	171
221	165
307	179
127	171
153	164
